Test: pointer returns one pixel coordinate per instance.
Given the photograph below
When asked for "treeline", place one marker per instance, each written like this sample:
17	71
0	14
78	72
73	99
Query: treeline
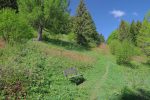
20	19
129	39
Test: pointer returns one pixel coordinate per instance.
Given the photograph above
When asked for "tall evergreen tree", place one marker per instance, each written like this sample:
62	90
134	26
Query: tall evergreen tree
124	31
51	15
138	28
133	32
84	27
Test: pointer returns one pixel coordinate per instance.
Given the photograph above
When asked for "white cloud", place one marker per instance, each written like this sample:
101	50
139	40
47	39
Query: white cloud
117	13
135	13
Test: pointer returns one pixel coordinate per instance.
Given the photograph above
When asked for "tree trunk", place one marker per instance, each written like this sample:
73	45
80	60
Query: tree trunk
40	31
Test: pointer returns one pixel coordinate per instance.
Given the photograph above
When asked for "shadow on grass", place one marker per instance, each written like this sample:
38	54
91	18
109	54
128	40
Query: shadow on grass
67	45
136	65
132	94
132	65
139	94
147	64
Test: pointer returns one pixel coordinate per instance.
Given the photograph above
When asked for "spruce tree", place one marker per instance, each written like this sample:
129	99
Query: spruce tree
84	27
123	31
133	32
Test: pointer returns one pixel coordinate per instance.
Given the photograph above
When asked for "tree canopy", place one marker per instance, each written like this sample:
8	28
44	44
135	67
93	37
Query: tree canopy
51	15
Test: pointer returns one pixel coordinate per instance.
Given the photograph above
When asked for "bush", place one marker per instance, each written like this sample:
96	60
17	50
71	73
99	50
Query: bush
14	28
113	36
124	52
71	37
114	46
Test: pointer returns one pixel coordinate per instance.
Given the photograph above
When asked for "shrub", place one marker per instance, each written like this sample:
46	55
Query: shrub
124	52
14	28
113	46
113	36
71	37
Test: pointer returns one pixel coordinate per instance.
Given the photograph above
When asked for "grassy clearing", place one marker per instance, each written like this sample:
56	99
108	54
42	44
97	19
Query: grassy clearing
44	63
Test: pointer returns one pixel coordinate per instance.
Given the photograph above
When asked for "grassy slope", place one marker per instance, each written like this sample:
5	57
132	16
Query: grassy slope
109	81
105	80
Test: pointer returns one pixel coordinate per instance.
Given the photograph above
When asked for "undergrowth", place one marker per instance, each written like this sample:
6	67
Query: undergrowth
27	71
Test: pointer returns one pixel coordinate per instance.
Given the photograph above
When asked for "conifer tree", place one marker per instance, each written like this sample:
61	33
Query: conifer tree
123	31
84	27
138	28
133	32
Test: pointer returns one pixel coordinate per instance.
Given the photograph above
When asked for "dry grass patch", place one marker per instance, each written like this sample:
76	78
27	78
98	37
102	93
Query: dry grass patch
69	54
139	59
104	48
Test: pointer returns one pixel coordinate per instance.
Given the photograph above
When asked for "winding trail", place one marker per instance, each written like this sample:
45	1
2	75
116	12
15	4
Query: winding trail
98	76
99	83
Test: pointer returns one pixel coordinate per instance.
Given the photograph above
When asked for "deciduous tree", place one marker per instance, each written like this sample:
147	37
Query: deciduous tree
50	15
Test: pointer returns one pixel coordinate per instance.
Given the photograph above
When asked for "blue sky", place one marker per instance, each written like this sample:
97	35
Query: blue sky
108	13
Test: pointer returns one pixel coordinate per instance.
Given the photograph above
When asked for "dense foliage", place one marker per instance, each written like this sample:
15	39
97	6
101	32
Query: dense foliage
50	15
123	31
9	4
114	45
138	36
144	38
113	36
124	52
13	28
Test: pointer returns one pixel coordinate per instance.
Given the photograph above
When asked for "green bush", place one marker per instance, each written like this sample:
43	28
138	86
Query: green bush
114	46
113	36
124	52
14	28
71	37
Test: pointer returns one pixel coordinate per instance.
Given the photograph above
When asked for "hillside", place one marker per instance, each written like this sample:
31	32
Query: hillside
44	64
74	50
